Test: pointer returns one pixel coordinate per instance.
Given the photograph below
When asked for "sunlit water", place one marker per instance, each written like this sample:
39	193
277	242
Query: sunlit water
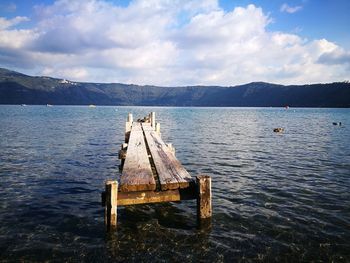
276	197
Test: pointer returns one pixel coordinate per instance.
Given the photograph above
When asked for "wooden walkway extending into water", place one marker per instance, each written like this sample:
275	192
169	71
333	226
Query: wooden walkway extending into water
152	174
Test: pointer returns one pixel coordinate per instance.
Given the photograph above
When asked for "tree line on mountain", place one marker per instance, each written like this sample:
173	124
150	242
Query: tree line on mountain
17	88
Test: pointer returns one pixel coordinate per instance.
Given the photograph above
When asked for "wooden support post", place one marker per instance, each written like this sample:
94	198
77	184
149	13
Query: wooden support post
204	210
111	204
147	197
128	125
122	155
130	119
122	151
158	128
127	131
153	119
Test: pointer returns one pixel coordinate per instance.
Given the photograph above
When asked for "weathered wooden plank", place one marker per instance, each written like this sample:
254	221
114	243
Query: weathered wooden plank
171	173
146	126
171	148
145	197
137	173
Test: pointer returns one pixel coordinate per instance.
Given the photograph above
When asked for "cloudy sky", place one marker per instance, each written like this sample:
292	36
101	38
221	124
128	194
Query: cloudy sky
178	42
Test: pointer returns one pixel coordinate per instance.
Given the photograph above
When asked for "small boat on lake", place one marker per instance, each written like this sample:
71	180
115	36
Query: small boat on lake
92	106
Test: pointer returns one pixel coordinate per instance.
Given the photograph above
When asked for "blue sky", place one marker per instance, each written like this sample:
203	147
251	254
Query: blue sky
328	19
317	19
178	42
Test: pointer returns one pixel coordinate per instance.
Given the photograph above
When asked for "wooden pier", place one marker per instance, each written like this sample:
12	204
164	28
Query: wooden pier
152	174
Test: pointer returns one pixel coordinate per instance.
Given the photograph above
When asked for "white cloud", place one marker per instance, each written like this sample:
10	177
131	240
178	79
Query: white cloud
173	42
7	23
15	39
78	74
337	56
290	9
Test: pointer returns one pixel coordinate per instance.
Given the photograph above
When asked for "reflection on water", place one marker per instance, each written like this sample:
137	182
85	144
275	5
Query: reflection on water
276	197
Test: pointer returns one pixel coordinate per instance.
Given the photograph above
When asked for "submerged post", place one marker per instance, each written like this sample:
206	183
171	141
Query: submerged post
204	210
111	204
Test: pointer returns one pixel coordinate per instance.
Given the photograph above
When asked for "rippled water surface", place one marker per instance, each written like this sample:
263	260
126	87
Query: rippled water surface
276	197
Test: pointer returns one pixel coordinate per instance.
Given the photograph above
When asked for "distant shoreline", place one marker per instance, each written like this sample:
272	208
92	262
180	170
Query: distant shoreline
17	88
169	106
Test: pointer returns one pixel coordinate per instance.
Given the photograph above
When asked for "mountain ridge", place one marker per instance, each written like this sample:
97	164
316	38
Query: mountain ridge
18	88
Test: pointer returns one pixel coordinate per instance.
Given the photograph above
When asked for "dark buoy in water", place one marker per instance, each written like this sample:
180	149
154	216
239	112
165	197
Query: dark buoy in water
337	123
278	130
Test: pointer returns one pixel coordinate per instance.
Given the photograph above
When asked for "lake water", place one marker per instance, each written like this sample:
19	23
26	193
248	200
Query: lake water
276	197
